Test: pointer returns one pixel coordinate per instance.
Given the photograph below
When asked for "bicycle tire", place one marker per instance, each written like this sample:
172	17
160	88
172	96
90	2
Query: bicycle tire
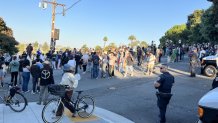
51	107
18	102
83	104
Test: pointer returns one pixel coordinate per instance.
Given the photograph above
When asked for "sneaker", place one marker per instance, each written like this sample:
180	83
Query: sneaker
33	92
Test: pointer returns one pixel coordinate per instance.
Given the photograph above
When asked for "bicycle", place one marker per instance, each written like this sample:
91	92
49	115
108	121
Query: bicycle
13	98
83	105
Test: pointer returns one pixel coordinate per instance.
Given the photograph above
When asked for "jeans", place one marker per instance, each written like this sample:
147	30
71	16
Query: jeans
14	78
35	83
26	78
95	71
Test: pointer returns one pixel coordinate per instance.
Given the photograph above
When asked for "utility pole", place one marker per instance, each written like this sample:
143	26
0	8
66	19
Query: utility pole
54	5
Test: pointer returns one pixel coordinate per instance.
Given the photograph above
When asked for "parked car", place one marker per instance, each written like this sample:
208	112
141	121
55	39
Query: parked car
209	65
208	107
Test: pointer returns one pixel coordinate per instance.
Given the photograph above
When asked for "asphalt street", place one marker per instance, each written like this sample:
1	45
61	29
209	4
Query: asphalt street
134	97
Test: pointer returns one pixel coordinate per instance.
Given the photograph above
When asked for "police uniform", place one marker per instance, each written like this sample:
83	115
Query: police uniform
166	81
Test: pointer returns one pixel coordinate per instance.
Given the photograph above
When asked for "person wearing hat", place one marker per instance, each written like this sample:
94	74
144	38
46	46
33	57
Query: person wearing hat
46	78
71	81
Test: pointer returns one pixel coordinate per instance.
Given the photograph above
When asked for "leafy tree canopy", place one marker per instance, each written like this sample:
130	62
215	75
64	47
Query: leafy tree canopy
7	41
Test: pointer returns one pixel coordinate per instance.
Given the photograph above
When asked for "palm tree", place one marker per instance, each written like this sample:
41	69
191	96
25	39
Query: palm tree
105	39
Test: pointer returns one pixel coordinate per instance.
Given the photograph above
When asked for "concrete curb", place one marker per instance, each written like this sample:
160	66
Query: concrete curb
32	114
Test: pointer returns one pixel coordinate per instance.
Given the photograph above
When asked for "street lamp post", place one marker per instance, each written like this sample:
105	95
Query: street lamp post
43	5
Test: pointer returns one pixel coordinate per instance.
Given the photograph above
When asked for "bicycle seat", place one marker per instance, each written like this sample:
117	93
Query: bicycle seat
79	92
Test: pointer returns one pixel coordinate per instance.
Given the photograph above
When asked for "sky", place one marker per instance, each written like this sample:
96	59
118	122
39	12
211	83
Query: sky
90	20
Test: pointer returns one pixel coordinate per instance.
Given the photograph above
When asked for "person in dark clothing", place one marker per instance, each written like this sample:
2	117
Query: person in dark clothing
164	85
46	78
2	61
139	55
215	82
194	62
77	59
35	72
65	57
95	60
29	50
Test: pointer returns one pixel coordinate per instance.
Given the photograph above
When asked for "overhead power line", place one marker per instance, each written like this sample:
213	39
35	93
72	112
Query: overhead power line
65	10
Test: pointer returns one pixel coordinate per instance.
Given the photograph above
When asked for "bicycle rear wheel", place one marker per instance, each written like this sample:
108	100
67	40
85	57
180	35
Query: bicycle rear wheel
18	102
49	112
85	106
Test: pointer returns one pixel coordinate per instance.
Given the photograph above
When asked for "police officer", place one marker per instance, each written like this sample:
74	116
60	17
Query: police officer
164	85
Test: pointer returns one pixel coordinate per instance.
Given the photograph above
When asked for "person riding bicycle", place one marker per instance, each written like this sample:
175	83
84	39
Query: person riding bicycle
71	81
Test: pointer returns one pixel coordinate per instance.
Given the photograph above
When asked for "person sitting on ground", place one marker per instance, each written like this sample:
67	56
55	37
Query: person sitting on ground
71	81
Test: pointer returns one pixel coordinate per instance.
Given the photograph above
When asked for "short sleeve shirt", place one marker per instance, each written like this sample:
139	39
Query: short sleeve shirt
166	81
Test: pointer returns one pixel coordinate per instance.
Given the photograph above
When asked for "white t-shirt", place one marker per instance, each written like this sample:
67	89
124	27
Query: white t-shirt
85	58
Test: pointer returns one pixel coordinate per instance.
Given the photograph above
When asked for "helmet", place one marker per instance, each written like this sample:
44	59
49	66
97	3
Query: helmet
68	67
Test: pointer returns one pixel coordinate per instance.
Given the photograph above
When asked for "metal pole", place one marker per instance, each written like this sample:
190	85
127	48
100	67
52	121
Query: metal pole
52	44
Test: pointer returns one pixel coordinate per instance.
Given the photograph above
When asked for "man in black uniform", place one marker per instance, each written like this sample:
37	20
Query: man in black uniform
164	85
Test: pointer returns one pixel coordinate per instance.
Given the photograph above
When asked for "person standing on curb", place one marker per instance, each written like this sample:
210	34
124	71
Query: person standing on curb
164	85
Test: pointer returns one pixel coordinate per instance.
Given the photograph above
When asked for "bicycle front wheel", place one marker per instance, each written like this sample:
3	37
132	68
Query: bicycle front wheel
85	106
18	102
50	112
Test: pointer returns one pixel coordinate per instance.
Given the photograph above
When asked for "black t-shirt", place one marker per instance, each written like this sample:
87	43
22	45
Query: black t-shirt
95	59
166	81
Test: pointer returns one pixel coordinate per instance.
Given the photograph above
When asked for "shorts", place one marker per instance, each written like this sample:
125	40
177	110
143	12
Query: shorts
1	73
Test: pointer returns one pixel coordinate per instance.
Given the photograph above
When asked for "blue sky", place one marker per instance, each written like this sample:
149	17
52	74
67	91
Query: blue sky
90	20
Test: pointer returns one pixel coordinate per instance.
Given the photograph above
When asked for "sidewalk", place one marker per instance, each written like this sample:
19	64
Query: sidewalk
32	114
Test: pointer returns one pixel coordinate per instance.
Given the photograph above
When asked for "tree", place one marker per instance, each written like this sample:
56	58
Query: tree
21	47
84	48
209	25
45	47
193	25
134	44
35	46
111	47
132	38
105	39
143	44
98	48
7	41
176	33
